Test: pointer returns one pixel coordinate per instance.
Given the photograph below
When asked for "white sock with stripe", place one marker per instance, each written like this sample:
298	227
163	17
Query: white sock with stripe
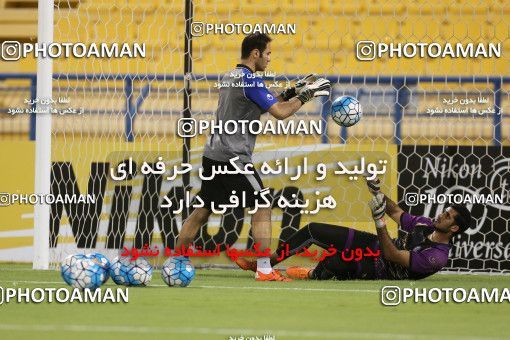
264	265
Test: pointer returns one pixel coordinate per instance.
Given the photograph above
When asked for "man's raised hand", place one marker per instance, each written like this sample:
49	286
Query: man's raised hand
378	207
320	87
294	90
374	185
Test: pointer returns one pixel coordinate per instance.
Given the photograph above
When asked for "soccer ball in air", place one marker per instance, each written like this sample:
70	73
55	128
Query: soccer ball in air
177	272
103	262
67	264
346	111
86	273
131	273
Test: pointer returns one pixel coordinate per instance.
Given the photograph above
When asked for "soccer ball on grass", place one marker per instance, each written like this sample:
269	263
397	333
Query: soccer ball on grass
131	273
177	272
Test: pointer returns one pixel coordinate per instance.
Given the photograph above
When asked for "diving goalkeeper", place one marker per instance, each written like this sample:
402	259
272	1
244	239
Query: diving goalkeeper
421	253
246	102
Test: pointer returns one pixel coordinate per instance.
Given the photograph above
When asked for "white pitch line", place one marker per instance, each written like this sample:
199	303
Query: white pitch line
214	331
338	290
298	288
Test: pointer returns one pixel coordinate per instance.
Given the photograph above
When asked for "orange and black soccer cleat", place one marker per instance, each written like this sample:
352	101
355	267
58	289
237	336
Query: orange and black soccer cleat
299	273
273	276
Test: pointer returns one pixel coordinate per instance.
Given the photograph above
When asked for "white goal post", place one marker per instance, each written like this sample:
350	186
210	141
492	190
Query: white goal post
43	138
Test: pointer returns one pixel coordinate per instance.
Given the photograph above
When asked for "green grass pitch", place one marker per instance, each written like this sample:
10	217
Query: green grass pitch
220	304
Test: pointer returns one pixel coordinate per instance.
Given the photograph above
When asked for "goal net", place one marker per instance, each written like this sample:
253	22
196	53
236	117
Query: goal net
436	120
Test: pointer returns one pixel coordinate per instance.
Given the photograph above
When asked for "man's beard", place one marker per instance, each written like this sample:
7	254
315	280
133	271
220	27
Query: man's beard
434	221
440	231
258	67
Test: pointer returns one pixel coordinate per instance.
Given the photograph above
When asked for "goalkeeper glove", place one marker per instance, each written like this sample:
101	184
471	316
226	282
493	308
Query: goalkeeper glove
374	186
378	206
292	91
320	87
306	80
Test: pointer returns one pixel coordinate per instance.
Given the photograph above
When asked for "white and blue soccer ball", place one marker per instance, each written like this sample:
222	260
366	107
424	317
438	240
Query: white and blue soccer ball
140	272
86	273
131	273
119	269
177	272
346	111
67	264
103	262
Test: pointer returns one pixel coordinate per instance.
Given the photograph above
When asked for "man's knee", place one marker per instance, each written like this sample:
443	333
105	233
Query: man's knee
261	214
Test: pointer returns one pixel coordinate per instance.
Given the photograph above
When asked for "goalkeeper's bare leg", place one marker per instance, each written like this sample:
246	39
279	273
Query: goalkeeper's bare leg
191	227
261	231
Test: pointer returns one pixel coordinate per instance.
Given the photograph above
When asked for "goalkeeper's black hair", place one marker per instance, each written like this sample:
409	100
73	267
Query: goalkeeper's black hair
255	41
463	218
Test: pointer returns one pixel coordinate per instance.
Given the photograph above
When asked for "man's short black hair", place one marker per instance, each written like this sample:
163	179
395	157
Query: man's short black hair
463	218
255	41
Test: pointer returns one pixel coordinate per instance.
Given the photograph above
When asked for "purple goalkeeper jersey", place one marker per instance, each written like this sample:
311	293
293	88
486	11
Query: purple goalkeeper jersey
427	257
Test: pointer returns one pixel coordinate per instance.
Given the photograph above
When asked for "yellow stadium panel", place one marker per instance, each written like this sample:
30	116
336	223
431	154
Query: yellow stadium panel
281	62
18	15
375	28
382	126
310	61
497	29
222	7
349	7
144	5
232	43
300	6
66	23
470	7
201	46
383	8
117	27
285	43
20	23
496	67
439	127
500	7
419	29
168	61
322	27
254	7
25	65
171	6
99	66
116	3
216	62
159	28
95	25
22	30
427	8
328	42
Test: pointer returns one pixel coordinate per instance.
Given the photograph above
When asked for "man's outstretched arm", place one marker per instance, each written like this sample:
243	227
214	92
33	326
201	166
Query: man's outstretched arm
390	252
284	109
293	91
393	210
